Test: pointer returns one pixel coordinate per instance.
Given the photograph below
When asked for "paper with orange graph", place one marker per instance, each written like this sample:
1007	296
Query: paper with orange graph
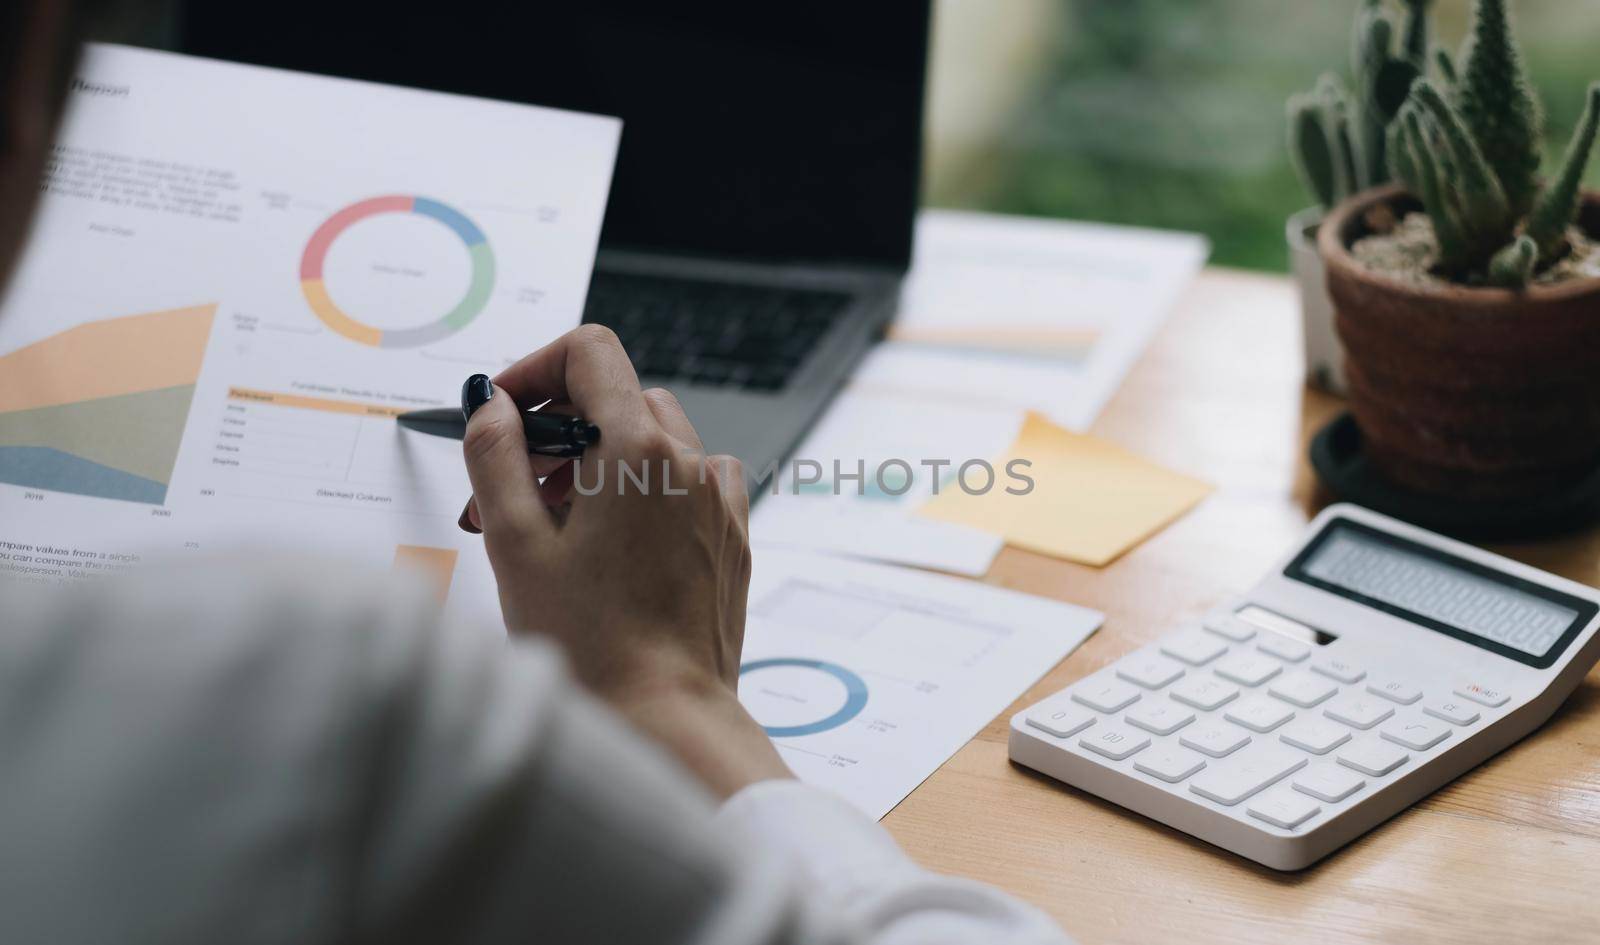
239	276
1092	500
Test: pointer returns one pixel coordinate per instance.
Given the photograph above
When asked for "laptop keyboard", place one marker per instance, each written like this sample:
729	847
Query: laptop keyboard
715	333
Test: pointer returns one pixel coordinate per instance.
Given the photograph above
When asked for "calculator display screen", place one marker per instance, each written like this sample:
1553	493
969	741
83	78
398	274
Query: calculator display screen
1499	612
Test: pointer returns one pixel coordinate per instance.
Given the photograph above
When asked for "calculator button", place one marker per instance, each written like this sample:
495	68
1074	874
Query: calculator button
1196	649
1302	689
1214	739
1248	668
1149	670
1060	720
1403	693
1255	770
1329	783
1115	742
1204	692
1230	626
1493	698
1169	763
1284	809
1282	647
1259	714
1359	711
1317	736
1161	718
1339	669
1452	711
1415	733
1374	758
1106	695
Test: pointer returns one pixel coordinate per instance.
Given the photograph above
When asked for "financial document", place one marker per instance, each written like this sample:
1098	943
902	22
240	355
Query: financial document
1029	314
868	677
238	278
853	484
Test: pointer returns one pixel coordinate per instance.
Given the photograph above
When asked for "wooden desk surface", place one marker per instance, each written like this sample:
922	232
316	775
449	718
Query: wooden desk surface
1510	852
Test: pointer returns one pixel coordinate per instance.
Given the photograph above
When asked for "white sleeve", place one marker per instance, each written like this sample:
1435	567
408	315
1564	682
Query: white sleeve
843	864
263	754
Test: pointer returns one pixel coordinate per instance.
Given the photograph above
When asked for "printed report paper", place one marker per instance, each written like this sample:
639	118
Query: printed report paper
239	276
853	485
1029	314
869	677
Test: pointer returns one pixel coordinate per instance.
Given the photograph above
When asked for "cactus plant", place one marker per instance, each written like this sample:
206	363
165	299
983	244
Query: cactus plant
1337	136
1469	152
1497	101
1483	231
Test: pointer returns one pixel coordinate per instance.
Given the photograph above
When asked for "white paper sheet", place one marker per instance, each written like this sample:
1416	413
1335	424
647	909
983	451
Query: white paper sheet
1029	313
869	677
253	270
866	433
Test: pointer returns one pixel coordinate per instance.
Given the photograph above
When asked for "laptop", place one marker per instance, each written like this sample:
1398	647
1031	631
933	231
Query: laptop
761	215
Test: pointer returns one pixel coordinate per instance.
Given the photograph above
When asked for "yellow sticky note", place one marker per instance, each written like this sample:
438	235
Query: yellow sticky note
1091	500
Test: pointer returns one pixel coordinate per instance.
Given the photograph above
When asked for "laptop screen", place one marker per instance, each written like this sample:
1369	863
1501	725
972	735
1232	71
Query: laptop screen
775	132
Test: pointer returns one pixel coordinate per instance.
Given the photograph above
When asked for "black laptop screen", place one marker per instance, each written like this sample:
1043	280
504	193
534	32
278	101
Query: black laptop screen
762	130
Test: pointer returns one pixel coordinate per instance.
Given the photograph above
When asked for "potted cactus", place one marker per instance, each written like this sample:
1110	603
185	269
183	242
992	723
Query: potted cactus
1467	296
1337	141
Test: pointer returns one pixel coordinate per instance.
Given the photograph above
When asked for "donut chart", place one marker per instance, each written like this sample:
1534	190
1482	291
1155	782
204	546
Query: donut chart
471	304
855	698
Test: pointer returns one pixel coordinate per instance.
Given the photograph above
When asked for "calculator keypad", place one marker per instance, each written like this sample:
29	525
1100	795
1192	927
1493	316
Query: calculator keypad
1227	713
1196	649
1284	809
1302	689
1260	767
1258	713
1328	782
1215	739
1149	670
1318	736
1395	691
1106	695
1205	692
1159	718
1115	741
1358	711
1418	734
1452	711
1169	763
1374	758
1249	669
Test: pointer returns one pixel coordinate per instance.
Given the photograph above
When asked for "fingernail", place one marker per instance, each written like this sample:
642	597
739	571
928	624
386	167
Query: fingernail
475	393
465	521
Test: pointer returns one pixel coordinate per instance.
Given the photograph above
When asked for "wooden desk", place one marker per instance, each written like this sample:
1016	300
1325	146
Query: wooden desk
1508	853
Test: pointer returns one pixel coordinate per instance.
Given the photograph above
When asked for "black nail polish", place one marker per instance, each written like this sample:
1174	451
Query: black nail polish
475	393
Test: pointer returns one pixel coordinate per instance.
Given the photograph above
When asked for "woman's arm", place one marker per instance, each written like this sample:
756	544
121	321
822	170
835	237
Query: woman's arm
251	750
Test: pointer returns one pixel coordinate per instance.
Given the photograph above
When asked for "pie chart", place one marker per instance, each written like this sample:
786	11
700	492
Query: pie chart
480	258
793	696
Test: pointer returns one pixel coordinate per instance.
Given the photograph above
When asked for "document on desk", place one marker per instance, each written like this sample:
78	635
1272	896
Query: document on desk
868	677
239	276
1029	314
853	485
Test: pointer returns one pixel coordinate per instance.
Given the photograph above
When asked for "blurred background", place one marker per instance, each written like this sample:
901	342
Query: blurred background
1170	113
1166	113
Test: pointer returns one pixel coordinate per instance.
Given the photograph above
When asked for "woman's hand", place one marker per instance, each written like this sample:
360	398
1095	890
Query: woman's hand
643	586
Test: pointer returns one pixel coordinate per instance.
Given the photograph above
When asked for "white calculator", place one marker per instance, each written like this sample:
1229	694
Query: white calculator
1378	663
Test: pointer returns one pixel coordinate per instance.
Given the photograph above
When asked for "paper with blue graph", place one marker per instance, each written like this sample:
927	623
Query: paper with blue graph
868	677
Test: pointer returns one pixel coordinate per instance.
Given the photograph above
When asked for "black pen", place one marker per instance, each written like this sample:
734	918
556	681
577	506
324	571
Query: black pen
549	434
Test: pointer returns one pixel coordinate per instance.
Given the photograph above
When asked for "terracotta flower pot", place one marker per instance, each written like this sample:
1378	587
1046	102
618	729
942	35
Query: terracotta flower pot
1467	393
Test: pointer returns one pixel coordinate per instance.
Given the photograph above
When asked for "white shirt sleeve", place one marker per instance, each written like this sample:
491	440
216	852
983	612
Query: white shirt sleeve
841	862
269	754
